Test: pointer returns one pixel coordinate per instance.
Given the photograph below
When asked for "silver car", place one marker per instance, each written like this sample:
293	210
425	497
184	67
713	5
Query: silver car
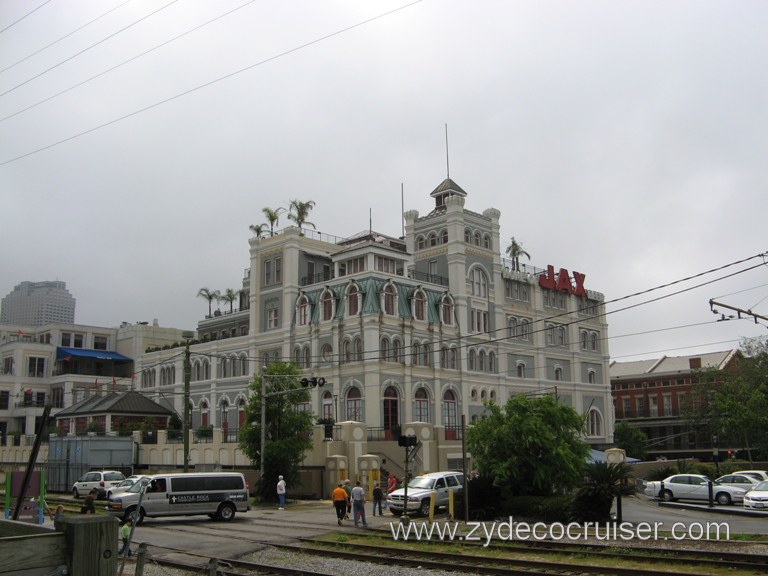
757	498
693	487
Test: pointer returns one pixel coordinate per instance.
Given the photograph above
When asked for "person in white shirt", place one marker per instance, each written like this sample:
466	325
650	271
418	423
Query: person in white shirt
281	493
358	503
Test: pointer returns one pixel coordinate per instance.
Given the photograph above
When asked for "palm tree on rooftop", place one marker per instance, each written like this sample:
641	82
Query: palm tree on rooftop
299	212
272	216
229	297
257	229
209	295
515	250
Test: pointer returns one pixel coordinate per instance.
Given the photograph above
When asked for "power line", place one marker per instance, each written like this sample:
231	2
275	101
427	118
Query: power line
25	15
201	86
84	50
123	63
63	37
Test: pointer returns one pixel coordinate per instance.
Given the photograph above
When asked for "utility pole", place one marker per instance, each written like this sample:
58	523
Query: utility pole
263	419
187	377
739	311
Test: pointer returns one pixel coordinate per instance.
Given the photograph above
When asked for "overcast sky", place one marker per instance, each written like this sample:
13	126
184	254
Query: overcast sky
625	140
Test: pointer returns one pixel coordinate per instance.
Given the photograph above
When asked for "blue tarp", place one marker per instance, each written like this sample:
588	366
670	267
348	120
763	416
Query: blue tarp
64	353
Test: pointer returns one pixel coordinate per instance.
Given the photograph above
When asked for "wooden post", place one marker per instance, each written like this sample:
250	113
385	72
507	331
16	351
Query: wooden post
213	567
91	543
141	556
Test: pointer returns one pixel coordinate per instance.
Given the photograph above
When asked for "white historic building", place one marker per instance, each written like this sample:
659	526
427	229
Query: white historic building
414	331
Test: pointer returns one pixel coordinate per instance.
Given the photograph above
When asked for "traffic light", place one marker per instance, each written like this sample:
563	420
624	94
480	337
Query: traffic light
313	382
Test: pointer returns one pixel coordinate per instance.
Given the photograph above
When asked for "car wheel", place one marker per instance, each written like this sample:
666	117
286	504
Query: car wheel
75	493
666	496
424	508
137	515
723	498
226	512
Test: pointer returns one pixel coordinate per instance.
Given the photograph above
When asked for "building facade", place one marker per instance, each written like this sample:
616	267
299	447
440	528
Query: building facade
655	395
416	330
38	304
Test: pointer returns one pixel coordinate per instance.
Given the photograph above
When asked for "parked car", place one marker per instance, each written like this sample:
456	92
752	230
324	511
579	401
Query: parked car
693	487
420	489
102	480
759	474
124	485
757	498
738	480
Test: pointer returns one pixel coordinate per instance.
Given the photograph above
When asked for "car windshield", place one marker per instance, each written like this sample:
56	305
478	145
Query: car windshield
137	486
421	482
762	486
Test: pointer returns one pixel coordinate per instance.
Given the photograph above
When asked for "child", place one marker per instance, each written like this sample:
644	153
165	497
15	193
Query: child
125	535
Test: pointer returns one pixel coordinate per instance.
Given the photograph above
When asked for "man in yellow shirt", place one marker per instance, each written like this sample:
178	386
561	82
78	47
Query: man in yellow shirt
339	497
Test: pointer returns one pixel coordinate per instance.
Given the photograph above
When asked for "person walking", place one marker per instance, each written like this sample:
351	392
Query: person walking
89	503
358	504
348	489
339	498
378	495
280	493
125	535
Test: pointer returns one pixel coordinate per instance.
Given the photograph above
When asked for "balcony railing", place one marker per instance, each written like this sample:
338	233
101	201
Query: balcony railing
426	277
230	435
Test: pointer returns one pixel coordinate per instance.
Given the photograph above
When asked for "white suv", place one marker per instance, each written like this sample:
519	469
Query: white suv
102	480
420	489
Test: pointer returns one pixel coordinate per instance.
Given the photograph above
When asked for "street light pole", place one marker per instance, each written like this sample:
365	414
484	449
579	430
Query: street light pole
263	418
187	378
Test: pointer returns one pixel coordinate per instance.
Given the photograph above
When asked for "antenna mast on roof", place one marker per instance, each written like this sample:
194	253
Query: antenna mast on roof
447	165
402	211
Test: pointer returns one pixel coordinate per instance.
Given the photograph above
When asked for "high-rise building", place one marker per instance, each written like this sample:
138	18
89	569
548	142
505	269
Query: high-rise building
38	304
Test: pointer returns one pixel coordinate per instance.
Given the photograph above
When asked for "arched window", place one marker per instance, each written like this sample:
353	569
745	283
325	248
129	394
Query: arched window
306	357
558	373
432	239
492	395
419	305
391	408
593	341
443	357
584	339
521	369
450	415
347	351
353	301
481	361
594	423
326	352
384	349
223	368
327	409
446	314
511	327
477	238
327	305
492	362
479	283
204	415
591	377
467	236
358	349
396	350
206	370
389	300
297	355
354	405
486	241
426	355
420	242
224	420
302	311
453	359
421	405
244	370
472	360
241	412
561	336
483	395
525	329
416	354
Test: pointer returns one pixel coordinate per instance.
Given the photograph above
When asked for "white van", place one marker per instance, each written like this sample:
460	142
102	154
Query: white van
217	494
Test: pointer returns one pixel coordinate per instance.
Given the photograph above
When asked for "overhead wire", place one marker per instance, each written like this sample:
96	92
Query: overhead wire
205	84
84	50
12	24
36	52
123	63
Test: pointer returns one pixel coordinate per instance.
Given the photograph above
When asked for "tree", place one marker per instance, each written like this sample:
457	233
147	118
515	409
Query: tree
209	295
299	211
530	446
272	216
229	297
257	229
602	483
515	250
287	429
733	403
633	440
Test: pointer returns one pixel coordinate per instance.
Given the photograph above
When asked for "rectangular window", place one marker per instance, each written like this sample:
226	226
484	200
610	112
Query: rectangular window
432	269
326	271
8	365
625	404
272	318
278	270
79	341
667	400
386	265
311	272
267	272
36	367
100	342
653	404
66	339
640	406
4	399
